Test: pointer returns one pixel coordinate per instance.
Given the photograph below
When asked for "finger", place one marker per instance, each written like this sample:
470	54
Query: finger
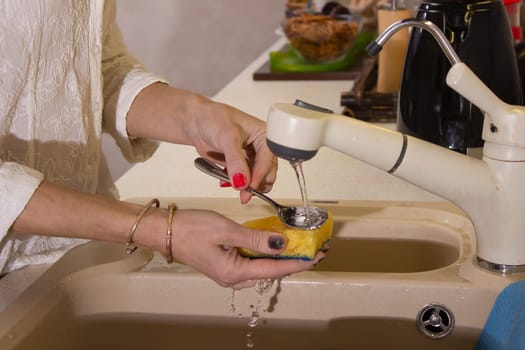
238	169
248	270
265	268
266	187
245	284
225	184
265	242
264	171
245	196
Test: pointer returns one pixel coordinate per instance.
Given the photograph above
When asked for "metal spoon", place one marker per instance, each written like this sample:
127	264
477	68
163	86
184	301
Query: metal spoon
308	218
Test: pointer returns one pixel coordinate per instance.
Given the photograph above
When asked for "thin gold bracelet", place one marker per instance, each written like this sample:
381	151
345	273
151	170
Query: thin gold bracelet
130	247
169	255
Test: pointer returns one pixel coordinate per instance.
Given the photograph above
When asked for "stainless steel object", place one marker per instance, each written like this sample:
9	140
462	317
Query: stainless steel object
375	46
308	218
435	321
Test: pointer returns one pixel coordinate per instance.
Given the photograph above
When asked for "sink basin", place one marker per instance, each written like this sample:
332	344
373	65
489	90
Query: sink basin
397	247
387	262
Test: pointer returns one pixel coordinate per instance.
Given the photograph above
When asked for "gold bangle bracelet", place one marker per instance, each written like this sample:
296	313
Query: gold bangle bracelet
130	247
169	255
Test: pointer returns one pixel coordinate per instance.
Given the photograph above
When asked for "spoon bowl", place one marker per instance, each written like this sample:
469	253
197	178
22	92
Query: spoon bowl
300	217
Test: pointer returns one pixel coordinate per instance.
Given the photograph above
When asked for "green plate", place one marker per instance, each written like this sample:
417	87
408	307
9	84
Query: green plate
289	61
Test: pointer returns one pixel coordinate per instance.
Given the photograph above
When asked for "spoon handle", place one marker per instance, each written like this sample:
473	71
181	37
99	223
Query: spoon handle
211	169
214	170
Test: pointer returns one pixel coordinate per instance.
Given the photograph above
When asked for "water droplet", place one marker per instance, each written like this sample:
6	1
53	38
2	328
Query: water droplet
233	308
261	287
249	341
254	320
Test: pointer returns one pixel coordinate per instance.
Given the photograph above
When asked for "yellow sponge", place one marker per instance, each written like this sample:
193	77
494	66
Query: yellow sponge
302	244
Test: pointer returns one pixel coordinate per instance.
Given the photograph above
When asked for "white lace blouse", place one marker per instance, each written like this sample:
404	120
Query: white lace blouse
65	77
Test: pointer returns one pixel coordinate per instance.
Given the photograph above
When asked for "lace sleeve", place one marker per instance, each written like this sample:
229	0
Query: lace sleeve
124	77
17	185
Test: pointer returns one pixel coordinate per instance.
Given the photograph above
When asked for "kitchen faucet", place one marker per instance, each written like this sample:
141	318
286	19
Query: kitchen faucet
491	190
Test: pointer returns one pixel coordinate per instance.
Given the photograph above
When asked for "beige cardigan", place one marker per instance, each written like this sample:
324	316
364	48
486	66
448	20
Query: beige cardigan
65	77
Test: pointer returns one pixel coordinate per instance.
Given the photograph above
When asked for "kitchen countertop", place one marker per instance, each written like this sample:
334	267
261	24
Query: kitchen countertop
330	175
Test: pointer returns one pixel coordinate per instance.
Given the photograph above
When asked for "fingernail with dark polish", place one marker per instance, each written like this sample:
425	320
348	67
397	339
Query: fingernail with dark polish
324	250
225	184
239	180
276	242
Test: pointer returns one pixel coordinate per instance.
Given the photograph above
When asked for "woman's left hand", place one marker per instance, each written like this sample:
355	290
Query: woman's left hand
219	132
238	141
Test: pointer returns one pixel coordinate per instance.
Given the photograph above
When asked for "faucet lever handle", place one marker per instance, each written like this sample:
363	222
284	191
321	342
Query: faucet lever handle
503	125
461	78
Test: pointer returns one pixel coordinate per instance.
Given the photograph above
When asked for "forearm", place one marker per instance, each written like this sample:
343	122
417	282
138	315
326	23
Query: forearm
164	113
204	240
55	210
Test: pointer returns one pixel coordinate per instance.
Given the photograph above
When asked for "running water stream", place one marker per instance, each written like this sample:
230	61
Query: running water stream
298	168
262	286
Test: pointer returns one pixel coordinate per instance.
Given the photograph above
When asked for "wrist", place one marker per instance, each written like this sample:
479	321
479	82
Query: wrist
151	231
164	113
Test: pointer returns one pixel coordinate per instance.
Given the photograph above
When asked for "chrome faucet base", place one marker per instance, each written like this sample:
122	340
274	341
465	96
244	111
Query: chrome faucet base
501	268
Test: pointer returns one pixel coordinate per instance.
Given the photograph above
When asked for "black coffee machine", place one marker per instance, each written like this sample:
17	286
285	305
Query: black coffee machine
480	33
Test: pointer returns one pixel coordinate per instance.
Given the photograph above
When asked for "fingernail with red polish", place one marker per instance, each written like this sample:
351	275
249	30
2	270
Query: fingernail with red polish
225	184
239	180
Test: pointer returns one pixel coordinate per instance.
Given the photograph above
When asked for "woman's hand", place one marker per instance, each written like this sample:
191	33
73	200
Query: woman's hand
219	132
208	242
238	141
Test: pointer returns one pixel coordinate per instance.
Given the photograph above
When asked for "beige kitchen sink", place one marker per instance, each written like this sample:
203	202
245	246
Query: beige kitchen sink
390	265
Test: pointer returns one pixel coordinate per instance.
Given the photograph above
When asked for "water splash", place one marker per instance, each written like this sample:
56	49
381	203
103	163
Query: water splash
249	341
261	287
233	308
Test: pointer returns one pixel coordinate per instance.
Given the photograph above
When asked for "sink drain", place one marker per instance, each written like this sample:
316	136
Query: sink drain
435	321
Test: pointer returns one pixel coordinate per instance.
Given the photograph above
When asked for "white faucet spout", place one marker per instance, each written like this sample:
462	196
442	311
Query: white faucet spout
434	168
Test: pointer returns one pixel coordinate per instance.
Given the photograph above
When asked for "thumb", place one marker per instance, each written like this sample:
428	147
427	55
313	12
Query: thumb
265	242
238	170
